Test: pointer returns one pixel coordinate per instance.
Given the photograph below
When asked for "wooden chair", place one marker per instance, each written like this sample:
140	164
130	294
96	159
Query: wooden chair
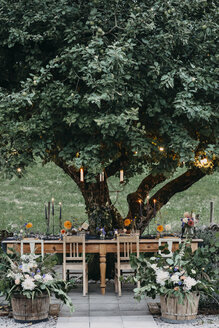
125	246
169	242
32	243
74	258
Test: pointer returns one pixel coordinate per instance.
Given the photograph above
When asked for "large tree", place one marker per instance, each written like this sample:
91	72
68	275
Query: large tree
110	85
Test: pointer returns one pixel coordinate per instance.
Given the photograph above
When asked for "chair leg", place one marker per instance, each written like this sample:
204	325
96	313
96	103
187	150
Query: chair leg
119	286
86	282
63	273
116	283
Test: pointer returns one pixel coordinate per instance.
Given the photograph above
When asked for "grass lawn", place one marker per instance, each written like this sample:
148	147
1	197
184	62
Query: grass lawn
22	200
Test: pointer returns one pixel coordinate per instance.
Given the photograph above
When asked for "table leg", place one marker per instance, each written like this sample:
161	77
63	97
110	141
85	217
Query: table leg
103	268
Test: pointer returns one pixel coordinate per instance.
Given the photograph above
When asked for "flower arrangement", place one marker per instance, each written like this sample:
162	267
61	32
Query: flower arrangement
188	223
28	275
179	275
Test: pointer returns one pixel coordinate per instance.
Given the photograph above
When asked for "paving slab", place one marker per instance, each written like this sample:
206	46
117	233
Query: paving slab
106	311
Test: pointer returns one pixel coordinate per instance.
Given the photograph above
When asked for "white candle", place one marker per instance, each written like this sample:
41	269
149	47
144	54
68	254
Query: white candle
121	175
81	174
101	176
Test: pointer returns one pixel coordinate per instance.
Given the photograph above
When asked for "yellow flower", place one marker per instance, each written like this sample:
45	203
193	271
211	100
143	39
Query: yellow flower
67	225
159	228
127	222
29	225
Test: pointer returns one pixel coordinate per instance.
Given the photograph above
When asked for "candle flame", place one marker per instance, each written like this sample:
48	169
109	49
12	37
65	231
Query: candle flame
60	203
53	199
154	201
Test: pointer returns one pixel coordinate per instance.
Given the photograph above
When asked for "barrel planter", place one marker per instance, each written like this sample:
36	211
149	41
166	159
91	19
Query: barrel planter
174	312
27	310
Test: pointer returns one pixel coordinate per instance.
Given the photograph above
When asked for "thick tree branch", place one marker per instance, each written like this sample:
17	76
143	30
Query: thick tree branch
162	196
142	191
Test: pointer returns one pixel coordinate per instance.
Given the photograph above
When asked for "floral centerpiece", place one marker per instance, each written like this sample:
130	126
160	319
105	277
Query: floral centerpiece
28	277
178	277
188	223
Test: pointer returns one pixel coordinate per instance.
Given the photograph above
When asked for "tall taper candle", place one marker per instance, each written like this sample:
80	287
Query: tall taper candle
140	204
81	174
154	207
53	220
60	215
48	217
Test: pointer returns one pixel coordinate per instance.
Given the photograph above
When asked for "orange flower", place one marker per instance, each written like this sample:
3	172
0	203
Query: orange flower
127	222
29	225
159	228
176	288
67	225
182	277
63	231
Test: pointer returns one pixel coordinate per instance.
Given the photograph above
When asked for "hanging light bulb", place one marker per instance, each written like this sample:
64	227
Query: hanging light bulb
81	174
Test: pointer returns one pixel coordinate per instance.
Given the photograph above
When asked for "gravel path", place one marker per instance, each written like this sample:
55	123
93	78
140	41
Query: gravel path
6	322
210	321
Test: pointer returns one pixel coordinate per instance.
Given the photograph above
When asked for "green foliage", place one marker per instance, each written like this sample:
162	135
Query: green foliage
178	275
108	81
29	275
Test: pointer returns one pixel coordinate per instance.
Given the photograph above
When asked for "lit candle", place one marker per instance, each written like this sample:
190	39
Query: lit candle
121	176
53	210
154	207
60	215
140	204
101	176
81	174
46	212
60	210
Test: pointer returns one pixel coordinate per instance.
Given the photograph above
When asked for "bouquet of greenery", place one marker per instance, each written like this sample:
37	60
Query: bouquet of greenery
31	276
179	275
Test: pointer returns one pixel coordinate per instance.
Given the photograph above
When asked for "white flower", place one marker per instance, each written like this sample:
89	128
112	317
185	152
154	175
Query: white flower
17	281
175	278
47	277
154	266
193	271
28	284
162	276
153	258
167	227
18	276
185	220
37	277
25	267
189	283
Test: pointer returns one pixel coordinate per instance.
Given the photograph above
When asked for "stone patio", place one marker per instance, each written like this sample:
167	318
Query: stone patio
108	311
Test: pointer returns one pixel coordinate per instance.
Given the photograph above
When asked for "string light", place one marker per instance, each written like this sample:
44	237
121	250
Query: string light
161	148
19	170
203	163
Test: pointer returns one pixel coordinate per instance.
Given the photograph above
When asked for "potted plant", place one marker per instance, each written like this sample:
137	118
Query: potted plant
178	280
27	282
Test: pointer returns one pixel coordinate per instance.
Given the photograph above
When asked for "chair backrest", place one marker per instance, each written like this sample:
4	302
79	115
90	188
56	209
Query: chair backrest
74	248
169	243
127	245
32	243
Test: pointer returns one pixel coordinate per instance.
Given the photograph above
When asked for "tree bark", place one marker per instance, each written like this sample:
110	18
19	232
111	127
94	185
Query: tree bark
96	197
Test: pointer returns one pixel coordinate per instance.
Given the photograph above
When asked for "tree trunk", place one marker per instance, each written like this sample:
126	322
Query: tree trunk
101	212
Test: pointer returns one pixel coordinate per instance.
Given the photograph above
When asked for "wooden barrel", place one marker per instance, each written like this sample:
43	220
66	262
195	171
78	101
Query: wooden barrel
28	310
174	312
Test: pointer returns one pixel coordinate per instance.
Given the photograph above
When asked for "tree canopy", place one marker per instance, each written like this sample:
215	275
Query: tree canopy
107	86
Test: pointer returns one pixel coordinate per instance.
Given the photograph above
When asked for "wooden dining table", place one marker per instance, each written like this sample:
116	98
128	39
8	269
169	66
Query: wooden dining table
96	246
